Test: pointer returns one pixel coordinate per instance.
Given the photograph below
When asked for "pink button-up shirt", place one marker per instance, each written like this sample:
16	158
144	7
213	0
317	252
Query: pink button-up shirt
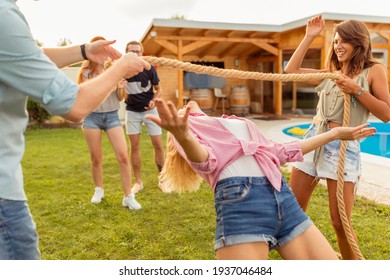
224	147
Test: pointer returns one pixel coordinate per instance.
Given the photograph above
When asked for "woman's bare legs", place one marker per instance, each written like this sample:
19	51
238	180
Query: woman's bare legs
119	144
349	199
302	186
94	142
244	251
310	245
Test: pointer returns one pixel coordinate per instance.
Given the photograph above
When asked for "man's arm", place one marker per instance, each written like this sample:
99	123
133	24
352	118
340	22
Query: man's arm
157	91
92	92
97	51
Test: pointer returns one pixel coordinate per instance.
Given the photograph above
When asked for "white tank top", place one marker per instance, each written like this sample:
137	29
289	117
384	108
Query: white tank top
245	166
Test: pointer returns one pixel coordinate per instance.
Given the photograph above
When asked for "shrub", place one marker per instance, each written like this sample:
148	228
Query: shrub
37	114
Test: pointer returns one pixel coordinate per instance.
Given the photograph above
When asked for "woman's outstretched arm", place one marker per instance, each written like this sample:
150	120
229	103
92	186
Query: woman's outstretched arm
342	133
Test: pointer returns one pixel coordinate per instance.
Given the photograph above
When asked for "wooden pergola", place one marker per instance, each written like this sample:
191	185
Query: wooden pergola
244	44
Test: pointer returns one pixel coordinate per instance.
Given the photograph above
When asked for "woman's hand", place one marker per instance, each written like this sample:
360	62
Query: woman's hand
170	120
122	83
342	133
347	85
100	50
314	26
177	125
353	133
151	105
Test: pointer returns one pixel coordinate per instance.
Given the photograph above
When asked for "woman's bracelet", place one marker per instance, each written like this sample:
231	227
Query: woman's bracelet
84	55
359	92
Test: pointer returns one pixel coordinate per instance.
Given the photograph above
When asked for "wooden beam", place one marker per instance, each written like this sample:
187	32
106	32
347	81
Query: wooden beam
216	39
227	33
206	51
180	75
203	32
180	31
278	100
195	45
227	50
248	51
167	45
263	59
160	51
269	48
294	97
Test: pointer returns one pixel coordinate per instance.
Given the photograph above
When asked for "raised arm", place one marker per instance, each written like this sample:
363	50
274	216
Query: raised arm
313	28
342	133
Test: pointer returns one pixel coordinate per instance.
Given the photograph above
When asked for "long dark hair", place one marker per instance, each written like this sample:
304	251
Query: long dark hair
355	33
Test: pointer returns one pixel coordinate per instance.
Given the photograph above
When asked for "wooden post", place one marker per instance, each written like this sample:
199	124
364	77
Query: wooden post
180	75
278	86
294	97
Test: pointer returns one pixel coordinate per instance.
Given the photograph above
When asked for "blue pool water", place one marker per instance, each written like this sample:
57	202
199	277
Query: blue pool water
379	144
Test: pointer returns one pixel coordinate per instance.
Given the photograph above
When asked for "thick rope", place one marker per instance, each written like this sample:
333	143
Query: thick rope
230	73
340	183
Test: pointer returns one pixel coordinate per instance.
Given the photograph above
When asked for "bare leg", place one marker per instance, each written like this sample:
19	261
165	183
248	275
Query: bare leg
135	156
118	142
94	141
310	245
158	151
244	251
349	198
302	186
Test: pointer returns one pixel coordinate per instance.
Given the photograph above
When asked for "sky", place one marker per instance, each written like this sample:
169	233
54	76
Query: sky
126	20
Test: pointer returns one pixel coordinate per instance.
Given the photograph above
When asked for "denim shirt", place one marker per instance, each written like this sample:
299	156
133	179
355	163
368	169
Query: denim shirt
25	71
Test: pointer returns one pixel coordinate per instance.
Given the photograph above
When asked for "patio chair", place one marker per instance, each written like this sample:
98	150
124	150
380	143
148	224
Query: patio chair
186	98
219	96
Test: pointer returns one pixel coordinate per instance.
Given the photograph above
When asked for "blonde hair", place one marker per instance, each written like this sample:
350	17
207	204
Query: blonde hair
177	175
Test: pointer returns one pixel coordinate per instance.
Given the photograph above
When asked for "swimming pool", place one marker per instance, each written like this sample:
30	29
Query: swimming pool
379	144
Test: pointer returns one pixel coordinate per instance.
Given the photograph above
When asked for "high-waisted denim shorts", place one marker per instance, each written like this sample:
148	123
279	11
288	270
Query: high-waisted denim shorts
102	121
250	209
327	167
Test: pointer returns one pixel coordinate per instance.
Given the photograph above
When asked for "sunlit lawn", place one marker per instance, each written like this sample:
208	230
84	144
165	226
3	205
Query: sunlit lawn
59	187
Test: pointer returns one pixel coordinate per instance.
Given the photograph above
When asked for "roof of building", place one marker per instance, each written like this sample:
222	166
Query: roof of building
220	38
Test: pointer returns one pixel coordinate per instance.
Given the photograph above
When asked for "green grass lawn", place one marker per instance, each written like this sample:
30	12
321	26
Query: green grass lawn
59	187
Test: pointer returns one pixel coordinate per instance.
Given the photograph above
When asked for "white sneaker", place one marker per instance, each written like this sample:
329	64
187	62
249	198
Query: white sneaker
98	195
129	201
137	187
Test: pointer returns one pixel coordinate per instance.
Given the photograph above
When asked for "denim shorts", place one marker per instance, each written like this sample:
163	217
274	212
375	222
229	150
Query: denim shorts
102	121
18	235
134	122
250	209
327	167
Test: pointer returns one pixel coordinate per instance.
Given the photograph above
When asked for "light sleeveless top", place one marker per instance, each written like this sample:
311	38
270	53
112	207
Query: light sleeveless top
110	104
330	107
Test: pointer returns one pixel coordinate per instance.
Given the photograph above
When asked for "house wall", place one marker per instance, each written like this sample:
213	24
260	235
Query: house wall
169	76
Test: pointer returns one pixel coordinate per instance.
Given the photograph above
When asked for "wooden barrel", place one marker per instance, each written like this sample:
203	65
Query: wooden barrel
239	101
203	96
